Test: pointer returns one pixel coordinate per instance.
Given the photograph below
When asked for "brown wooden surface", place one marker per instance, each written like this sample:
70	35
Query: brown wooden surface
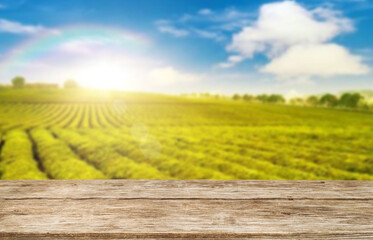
199	209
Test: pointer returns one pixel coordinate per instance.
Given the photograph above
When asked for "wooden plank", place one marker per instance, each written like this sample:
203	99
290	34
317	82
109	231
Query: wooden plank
171	209
201	189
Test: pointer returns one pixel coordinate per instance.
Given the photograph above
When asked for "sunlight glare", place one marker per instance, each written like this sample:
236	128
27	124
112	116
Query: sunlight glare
105	75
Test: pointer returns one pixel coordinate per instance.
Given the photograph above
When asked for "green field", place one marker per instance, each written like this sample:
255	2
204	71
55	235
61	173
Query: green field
82	134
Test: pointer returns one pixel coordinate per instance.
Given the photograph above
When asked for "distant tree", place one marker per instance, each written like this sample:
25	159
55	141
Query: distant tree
18	82
328	100
297	101
217	96
351	100
248	97
262	97
71	84
312	100
236	97
276	98
273	98
365	106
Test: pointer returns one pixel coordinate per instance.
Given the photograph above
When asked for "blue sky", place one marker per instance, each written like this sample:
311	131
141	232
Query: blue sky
290	47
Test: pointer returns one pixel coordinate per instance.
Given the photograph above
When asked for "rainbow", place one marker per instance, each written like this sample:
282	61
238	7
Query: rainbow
39	46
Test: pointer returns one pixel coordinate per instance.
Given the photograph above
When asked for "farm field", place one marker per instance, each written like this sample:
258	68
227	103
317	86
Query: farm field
69	134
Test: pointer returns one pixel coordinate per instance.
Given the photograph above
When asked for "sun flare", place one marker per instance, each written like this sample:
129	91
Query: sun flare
103	75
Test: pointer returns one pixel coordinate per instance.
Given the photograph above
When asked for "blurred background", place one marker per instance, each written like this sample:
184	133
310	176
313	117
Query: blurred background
186	89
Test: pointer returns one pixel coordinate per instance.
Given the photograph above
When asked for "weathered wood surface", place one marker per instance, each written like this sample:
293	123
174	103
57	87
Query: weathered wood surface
199	209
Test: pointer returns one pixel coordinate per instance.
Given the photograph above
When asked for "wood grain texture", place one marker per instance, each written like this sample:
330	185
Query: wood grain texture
198	209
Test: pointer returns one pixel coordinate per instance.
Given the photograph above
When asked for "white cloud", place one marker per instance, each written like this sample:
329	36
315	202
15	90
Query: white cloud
206	23
284	24
84	46
225	16
209	34
19	28
232	60
322	60
297	43
2	6
173	31
231	13
235	58
169	76
234	25
165	26
205	11
225	65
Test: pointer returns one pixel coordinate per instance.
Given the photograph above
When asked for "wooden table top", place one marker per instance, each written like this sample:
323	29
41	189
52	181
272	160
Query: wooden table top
183	209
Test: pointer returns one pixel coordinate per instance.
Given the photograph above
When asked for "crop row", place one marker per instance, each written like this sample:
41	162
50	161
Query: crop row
59	161
60	115
106	160
149	150
16	161
213	154
171	168
169	153
250	147
242	167
187	114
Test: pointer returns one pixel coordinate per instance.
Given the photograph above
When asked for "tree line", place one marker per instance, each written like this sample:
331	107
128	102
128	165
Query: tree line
345	100
19	82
